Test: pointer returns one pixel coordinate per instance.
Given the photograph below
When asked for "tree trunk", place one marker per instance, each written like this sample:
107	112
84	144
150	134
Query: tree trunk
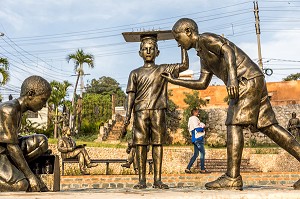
55	123
79	118
79	113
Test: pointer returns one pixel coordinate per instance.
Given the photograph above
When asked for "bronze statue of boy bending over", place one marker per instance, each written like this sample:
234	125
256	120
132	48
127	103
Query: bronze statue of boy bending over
16	151
249	103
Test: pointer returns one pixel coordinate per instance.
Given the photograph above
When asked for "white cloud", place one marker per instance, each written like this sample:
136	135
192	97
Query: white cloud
22	18
282	45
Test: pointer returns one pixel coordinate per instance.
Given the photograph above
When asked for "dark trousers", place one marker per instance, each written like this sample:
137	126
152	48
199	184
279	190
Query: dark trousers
198	147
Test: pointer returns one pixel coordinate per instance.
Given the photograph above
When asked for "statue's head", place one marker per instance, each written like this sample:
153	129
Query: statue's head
185	32
66	132
293	115
37	91
149	48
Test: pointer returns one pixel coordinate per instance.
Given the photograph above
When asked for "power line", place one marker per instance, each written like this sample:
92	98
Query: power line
134	24
27	52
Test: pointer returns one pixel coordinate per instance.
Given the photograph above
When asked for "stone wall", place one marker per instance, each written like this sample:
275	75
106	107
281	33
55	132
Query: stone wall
175	159
217	128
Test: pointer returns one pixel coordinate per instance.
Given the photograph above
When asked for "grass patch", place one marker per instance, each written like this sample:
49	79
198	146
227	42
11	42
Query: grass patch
266	151
264	146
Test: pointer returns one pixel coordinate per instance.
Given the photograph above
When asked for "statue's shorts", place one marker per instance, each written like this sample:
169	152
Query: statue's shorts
28	144
253	107
8	172
149	127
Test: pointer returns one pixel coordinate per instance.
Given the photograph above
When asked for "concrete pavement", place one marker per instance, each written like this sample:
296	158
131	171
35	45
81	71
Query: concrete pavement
250	192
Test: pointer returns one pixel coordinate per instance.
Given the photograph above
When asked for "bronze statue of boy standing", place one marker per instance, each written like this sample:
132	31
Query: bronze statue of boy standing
147	98
249	103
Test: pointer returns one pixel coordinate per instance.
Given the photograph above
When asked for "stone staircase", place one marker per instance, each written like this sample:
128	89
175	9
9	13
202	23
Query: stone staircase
220	165
111	131
116	131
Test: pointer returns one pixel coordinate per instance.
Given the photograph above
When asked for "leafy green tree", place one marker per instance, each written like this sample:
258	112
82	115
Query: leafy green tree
79	59
193	101
97	104
107	86
295	76
4	67
96	107
57	98
96	110
172	117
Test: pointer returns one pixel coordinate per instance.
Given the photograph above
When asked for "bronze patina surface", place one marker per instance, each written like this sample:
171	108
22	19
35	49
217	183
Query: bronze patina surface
17	151
66	145
147	99
249	104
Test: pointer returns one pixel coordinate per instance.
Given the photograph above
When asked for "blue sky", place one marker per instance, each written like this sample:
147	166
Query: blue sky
40	34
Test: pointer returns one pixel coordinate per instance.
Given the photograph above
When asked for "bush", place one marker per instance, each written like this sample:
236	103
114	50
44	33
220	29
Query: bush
88	131
48	132
193	101
128	136
253	142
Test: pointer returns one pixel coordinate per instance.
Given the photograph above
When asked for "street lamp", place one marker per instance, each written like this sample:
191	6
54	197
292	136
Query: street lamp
1	34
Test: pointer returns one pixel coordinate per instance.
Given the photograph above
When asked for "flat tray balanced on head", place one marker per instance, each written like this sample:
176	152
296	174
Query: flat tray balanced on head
158	34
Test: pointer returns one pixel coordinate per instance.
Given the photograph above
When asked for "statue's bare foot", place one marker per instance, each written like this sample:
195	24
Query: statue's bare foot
297	185
90	165
225	182
160	185
127	165
140	185
84	172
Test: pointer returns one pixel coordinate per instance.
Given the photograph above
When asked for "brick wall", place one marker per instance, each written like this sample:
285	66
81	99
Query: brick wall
175	159
174	180
282	93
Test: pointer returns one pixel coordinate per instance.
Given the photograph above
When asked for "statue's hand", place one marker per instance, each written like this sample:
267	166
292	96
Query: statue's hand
70	149
128	150
124	131
167	75
233	89
34	183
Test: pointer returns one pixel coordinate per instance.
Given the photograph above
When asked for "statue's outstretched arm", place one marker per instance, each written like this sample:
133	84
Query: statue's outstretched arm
184	60
200	84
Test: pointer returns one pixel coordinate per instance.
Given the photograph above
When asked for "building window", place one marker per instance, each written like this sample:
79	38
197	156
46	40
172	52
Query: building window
207	100
270	96
31	114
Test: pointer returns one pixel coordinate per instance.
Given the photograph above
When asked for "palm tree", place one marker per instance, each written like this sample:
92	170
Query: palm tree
79	59
4	66
57	98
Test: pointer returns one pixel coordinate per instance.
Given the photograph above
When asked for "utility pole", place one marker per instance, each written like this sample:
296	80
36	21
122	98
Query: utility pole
257	28
113	102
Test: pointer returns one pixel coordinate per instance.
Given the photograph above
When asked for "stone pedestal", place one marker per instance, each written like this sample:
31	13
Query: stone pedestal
50	177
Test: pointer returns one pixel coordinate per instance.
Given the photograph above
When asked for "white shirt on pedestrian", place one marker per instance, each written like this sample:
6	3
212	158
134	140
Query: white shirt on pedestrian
193	123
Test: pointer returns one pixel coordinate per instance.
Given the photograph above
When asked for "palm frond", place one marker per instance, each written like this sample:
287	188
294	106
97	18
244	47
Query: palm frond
4	67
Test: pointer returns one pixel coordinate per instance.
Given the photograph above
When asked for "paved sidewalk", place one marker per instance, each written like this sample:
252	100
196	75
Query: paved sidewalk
265	192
